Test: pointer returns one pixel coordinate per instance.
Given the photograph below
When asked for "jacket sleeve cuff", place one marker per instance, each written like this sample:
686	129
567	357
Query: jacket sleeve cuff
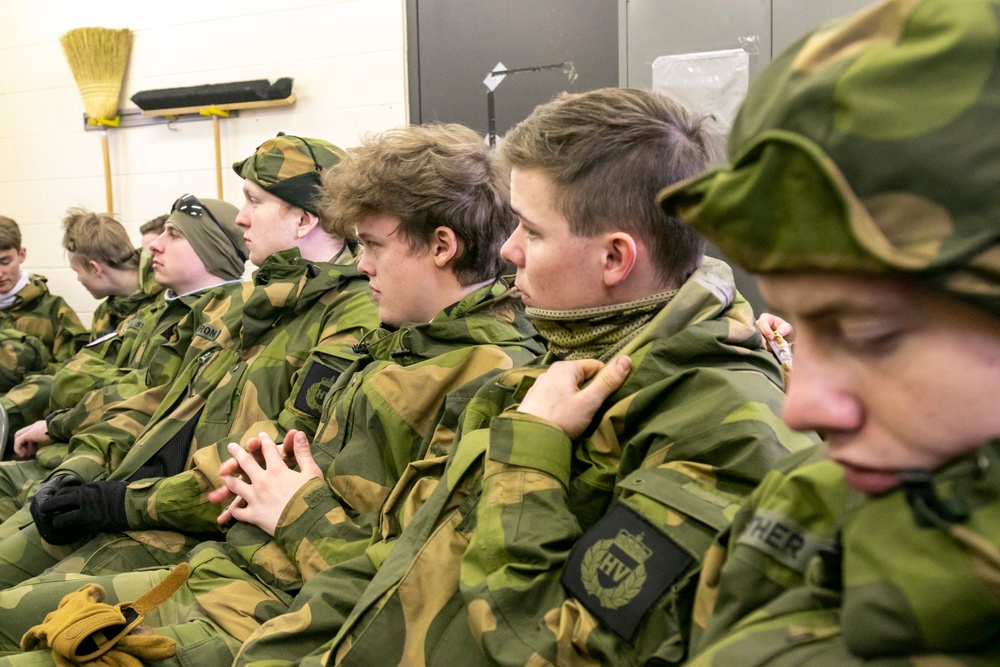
309	506
88	469
57	424
520	439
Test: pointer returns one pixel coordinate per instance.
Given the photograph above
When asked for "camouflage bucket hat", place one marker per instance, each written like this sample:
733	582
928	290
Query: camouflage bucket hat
871	145
290	168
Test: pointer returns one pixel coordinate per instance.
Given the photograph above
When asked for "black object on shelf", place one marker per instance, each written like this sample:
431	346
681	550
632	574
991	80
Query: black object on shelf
213	94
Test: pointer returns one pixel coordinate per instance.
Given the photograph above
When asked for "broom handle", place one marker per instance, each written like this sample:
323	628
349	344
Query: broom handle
218	156
107	173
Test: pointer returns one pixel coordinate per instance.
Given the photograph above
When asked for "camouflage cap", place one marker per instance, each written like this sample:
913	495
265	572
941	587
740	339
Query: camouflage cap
214	237
291	168
871	145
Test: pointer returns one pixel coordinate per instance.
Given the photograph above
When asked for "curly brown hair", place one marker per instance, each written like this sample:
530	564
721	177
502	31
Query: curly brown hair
426	176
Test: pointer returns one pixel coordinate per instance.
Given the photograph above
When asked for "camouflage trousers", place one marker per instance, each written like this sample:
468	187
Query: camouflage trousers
26	605
209	617
18	481
25	554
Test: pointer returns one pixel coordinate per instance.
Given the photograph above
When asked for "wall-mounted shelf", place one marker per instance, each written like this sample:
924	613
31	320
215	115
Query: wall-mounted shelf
133	118
206	111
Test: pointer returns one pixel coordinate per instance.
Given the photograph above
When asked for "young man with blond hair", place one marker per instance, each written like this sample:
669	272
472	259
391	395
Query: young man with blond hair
106	264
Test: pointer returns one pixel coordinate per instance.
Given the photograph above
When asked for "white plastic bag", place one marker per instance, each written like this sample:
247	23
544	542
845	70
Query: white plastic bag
710	82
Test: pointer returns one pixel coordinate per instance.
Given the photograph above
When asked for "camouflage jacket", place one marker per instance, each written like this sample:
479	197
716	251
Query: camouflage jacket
822	575
533	549
149	349
409	385
247	352
35	397
21	356
48	317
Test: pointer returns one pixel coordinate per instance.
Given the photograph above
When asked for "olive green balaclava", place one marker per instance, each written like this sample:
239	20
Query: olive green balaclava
872	145
219	246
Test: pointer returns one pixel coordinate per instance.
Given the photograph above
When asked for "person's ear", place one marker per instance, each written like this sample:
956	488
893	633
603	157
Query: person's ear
620	255
95	267
305	224
445	246
22	254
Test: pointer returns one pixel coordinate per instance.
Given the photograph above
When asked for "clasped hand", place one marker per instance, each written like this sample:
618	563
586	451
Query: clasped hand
260	480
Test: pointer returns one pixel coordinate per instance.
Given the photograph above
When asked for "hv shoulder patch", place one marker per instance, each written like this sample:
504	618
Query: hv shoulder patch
621	566
318	381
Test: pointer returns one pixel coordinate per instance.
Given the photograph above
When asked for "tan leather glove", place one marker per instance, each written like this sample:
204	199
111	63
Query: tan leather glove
84	630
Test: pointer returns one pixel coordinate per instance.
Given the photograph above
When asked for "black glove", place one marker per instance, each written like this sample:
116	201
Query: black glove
50	488
76	510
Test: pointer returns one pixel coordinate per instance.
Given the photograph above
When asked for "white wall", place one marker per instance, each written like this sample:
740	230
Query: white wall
347	58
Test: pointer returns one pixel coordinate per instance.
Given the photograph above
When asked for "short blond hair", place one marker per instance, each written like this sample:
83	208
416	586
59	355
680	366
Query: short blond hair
98	237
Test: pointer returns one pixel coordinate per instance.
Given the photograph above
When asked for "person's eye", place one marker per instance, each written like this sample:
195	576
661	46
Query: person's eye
869	341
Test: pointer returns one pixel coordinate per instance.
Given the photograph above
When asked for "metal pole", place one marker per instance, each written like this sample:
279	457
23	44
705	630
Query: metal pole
491	110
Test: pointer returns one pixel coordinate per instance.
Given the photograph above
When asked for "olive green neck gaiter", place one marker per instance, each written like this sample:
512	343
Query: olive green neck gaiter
596	333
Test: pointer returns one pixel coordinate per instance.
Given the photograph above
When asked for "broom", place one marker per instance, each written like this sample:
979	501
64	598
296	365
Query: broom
97	58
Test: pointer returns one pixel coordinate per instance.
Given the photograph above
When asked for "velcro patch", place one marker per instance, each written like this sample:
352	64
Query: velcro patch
621	566
136	323
782	539
208	331
318	381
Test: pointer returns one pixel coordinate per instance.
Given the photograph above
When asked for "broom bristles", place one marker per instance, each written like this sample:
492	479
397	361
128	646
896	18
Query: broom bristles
97	58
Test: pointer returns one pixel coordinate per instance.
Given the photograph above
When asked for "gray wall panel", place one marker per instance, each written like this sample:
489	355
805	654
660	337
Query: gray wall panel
456	43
